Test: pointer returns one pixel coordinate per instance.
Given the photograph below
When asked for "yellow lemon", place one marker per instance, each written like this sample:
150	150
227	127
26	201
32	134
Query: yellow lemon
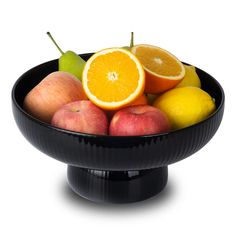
185	106
190	79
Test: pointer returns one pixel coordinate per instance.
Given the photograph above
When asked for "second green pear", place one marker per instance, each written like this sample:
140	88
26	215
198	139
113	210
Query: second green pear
69	61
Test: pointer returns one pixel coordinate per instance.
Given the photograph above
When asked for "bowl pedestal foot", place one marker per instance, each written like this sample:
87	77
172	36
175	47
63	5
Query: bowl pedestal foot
117	186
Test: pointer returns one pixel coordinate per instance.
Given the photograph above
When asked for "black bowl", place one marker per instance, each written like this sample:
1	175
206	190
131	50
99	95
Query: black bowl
114	169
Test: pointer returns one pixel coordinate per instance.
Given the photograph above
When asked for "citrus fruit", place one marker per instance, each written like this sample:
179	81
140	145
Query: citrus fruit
141	100
163	70
113	78
190	79
185	106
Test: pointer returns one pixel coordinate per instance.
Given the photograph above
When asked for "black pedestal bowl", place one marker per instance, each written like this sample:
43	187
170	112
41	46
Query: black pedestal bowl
114	169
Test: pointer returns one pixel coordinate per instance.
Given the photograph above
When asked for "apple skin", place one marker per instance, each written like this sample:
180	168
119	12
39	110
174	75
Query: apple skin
54	91
81	116
139	120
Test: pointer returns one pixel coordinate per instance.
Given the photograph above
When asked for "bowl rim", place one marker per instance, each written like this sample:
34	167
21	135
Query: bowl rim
87	135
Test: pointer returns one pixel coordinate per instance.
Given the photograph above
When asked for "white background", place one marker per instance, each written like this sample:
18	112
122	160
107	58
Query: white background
200	198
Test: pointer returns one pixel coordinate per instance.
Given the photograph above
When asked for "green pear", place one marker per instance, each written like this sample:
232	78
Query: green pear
131	42
69	61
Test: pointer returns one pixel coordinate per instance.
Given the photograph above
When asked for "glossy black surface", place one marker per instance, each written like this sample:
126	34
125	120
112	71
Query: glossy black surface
113	153
117	186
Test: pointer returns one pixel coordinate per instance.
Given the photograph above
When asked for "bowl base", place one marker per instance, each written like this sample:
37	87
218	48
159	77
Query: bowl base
117	186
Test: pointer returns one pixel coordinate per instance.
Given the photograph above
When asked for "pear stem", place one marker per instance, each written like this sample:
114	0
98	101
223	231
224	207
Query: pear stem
50	36
132	40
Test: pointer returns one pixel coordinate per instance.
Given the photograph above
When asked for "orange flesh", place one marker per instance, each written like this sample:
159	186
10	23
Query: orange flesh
116	77
158	61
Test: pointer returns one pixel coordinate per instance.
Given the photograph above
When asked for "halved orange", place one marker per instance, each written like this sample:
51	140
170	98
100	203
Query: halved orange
163	70
113	78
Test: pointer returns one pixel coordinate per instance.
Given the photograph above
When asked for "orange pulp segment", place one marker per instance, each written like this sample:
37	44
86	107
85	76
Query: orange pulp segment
113	78
163	70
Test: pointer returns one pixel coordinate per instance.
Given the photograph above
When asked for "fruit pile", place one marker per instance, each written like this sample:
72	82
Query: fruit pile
129	91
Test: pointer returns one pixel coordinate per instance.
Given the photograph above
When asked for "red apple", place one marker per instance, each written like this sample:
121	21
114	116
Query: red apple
54	91
139	120
81	116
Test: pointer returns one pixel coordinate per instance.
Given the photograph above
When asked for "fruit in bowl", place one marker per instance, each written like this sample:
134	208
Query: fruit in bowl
114	80
69	61
185	106
139	120
106	168
54	91
191	78
163	70
81	116
117	130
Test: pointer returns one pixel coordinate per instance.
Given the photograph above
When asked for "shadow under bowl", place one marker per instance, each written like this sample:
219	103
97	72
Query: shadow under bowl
108	168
